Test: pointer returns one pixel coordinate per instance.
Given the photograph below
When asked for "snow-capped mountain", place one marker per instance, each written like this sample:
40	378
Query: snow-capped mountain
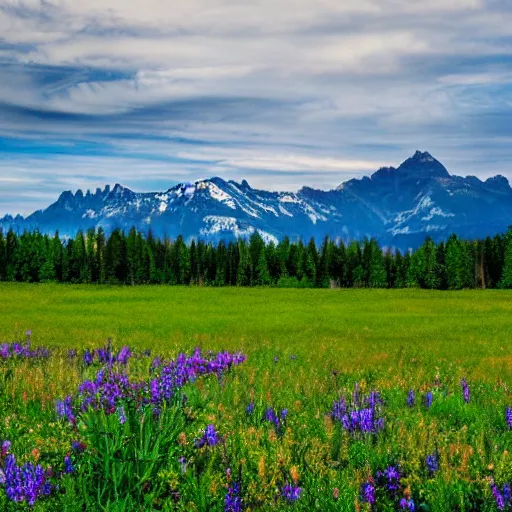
399	206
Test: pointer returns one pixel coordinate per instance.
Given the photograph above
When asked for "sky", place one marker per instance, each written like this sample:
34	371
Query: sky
283	93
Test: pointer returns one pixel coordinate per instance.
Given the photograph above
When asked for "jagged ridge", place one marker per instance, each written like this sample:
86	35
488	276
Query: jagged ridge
398	206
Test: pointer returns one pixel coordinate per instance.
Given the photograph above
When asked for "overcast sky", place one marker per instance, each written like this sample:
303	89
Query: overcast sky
284	93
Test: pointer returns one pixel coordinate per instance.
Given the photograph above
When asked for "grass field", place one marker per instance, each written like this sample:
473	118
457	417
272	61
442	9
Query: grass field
305	350
353	328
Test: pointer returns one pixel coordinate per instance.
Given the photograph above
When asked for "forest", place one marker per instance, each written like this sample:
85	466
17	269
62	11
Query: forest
134	258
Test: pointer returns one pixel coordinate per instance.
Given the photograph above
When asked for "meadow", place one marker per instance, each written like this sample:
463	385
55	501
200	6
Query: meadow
306	399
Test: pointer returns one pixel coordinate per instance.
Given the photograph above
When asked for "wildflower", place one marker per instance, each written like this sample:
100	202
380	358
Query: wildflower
123	356
183	464
367	492
407	504
78	446
508	417
278	420
209	437
291	493
276	359
25	483
64	409
293	357
391	477
72	353
233	500
427	399
88	357
411	398
122	415
500	500
336	494
432	462
465	390
68	465
250	408
6	446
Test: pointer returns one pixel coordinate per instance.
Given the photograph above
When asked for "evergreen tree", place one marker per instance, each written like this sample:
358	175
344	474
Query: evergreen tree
506	278
377	277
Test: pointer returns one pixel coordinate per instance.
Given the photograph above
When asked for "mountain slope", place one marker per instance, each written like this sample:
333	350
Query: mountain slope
398	206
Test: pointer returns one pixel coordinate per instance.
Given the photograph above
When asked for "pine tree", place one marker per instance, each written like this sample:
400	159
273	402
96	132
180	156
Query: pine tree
377	277
506	278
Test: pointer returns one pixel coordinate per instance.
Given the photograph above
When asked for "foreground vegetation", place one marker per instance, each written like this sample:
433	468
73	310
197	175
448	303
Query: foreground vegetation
134	259
348	399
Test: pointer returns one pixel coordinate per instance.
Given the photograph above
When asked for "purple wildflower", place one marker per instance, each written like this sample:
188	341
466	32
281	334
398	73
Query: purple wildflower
68	465
411	398
291	493
427	399
233	500
391	478
209	438
88	357
407	504
465	390
432	462
6	446
367	492
508	417
25	483
250	408
121	415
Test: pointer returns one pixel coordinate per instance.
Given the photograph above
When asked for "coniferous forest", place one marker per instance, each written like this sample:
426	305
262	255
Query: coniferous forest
133	258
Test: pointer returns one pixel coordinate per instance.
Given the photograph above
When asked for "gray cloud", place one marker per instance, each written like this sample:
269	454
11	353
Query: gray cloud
283	92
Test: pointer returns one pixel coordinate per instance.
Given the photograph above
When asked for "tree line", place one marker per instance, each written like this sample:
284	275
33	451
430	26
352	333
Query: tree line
133	258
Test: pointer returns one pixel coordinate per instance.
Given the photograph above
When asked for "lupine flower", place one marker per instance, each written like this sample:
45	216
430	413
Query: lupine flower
64	409
122	415
508	417
183	464
250	408
407	504
427	399
233	500
124	355
277	419
411	398
78	446
465	390
25	483
6	446
209	437
432	462
112	388
291	493
88	357
17	350
68	465
391	478
367	492
499	498
72	353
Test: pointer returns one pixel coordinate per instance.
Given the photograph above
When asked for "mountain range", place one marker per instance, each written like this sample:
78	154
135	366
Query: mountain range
398	206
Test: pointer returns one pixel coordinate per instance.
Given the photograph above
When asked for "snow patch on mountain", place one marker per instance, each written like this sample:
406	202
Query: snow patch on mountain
436	211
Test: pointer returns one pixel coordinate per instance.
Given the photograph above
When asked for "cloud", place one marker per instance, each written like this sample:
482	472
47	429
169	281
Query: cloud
284	92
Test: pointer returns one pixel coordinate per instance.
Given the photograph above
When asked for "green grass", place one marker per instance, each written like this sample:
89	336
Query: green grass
386	340
361	327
